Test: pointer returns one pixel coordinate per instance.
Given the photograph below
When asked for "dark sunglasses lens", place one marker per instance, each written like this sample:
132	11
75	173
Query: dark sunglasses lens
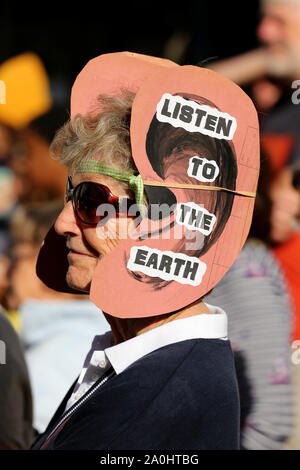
87	198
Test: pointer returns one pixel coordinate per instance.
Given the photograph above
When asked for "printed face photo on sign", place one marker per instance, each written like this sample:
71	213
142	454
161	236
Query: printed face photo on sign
188	142
178	137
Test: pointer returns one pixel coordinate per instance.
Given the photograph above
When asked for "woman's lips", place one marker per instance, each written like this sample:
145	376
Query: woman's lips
79	253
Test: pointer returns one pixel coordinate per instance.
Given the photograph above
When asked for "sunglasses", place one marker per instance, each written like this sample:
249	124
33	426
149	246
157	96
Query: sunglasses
88	196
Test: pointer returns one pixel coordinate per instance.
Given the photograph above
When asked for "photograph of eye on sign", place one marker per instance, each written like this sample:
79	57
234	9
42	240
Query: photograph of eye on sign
194	137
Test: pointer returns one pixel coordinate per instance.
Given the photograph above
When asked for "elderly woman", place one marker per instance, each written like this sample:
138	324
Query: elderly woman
163	377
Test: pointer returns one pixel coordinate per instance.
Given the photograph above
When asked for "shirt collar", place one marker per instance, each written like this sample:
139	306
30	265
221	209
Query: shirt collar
209	326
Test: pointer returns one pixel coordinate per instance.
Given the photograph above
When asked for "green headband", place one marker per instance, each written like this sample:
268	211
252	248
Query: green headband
135	181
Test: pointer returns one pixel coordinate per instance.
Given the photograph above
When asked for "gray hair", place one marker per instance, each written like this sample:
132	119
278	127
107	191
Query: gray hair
102	137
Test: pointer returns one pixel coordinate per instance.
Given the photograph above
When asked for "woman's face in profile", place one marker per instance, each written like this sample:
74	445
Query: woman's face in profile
87	244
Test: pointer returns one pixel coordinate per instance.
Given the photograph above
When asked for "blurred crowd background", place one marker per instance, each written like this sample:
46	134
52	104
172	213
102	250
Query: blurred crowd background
47	334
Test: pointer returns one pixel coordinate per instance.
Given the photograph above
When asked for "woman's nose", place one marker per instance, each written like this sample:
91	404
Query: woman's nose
66	223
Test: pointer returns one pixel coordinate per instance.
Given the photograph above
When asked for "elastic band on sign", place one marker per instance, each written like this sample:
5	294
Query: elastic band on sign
137	183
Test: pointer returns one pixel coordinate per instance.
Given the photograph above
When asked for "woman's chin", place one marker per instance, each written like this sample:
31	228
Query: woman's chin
77	282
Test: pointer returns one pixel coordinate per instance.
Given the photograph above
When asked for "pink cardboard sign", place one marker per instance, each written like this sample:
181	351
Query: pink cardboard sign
190	128
106	74
110	74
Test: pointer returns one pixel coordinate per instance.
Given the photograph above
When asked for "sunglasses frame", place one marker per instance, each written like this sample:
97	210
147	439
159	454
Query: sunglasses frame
115	201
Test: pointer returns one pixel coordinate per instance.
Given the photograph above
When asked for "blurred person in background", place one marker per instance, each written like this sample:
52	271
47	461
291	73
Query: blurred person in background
255	295
16	431
28	122
25	164
17	107
55	328
271	73
39	177
27	96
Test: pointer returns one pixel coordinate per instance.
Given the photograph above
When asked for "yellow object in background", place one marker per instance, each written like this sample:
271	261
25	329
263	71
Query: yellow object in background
15	319
27	90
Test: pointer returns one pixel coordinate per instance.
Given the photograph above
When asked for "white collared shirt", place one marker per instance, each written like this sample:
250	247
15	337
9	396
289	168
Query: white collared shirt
104	354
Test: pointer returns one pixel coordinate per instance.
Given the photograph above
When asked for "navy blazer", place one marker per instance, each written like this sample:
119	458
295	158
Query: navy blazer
183	396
